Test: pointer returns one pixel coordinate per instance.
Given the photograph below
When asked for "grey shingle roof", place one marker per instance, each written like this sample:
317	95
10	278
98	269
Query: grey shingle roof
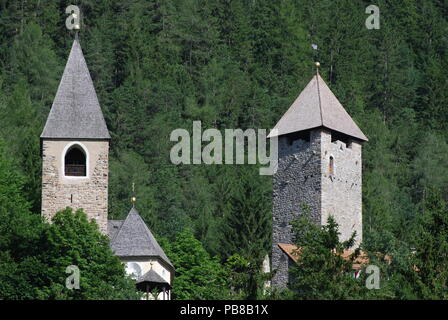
76	112
134	239
112	227
315	107
151	276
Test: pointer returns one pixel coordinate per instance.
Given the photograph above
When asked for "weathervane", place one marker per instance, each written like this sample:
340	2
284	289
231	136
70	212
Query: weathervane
317	63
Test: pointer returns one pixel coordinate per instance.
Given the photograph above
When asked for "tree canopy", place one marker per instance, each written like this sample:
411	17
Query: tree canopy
159	65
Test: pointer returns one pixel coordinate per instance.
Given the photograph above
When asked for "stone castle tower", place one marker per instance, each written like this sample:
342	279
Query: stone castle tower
75	146
319	150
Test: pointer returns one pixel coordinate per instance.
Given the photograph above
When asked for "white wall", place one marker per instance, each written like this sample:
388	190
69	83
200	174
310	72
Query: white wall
145	265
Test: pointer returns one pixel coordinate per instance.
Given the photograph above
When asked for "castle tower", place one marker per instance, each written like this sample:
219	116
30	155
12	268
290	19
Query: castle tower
75	146
319	150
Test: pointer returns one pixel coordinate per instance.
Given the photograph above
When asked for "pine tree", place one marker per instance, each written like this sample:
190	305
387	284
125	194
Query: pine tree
321	271
246	228
429	272
198	276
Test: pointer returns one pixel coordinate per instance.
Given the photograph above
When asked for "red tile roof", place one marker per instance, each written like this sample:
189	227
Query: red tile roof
293	252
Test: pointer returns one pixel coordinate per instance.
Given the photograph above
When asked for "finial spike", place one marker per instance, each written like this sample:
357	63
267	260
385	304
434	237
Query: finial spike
317	66
133	199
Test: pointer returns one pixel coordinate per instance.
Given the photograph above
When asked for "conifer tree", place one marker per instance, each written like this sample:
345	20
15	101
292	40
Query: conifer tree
246	228
321	271
430	258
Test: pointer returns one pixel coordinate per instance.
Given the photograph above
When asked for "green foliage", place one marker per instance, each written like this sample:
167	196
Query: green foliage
246	228
246	278
72	239
321	271
34	255
431	248
159	65
198	276
18	226
405	273
20	232
125	171
430	167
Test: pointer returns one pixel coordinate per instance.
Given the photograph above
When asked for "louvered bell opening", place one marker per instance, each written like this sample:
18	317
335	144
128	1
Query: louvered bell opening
75	162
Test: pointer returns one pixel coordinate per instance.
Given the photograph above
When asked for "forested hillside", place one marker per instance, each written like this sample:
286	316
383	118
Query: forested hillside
158	65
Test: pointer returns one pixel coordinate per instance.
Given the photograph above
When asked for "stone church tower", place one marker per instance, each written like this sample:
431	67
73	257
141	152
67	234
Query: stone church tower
319	150
75	171
75	146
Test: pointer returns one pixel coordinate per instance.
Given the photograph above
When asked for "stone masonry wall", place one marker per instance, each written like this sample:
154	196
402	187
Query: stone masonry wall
89	193
341	191
296	182
303	177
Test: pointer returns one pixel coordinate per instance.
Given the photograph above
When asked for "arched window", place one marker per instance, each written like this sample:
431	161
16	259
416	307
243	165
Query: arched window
75	162
331	167
134	270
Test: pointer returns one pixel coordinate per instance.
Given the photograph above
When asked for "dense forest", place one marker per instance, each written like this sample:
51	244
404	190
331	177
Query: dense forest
159	65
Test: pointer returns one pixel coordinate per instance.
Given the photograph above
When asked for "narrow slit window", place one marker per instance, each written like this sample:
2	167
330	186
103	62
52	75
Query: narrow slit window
331	167
75	162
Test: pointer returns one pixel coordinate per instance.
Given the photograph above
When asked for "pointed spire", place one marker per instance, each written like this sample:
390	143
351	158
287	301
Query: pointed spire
76	112
317	106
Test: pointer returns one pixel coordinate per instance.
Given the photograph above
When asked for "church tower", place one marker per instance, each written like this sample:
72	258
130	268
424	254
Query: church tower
75	146
319	151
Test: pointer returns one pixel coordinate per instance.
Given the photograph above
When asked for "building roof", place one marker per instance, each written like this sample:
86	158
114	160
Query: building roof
113	226
293	252
151	280
152	277
132	238
76	112
316	107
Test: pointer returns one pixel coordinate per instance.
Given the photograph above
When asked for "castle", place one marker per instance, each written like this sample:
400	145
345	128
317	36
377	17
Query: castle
75	170
319	170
